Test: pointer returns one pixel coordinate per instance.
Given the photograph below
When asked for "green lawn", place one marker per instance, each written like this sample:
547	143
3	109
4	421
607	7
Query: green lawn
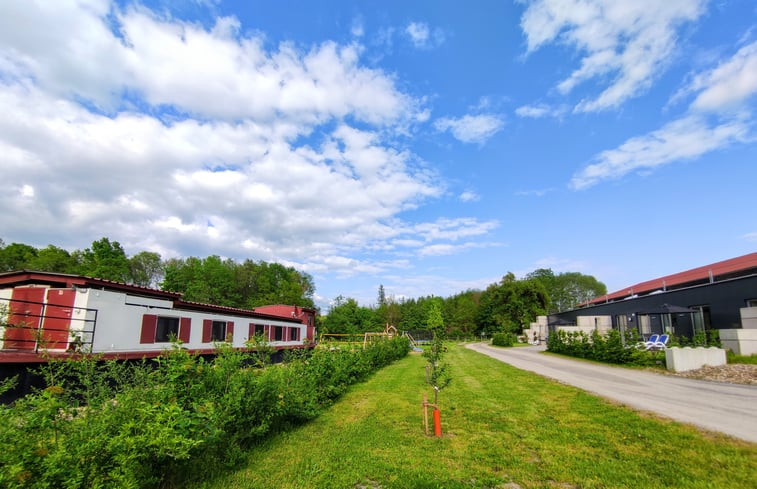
502	428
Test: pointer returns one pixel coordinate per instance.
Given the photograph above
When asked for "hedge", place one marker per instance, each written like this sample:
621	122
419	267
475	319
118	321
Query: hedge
117	425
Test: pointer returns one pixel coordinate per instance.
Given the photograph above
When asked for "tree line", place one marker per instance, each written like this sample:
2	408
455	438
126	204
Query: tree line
506	306
211	280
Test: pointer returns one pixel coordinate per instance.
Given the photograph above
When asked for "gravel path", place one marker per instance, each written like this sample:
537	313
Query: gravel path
719	406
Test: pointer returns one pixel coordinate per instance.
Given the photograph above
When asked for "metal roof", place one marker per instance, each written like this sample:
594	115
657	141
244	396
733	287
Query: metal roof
742	265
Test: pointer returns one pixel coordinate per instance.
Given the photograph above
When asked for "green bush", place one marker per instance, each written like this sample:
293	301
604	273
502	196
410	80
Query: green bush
607	348
109	424
503	339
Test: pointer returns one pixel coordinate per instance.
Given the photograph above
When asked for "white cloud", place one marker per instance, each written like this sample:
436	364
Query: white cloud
752	237
357	29
540	110
471	128
469	196
221	146
629	43
419	33
210	73
723	91
443	249
534	193
422	36
533	111
685	138
728	85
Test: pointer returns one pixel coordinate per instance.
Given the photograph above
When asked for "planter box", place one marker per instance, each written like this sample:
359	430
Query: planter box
687	358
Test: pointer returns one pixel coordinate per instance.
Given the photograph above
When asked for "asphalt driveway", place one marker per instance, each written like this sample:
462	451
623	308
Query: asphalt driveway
717	406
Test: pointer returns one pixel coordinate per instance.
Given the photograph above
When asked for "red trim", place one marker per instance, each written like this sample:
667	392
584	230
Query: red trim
185	326
207	330
149	324
230	330
250	331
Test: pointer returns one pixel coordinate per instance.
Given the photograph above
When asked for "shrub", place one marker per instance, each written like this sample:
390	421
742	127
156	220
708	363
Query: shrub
109	424
607	348
503	339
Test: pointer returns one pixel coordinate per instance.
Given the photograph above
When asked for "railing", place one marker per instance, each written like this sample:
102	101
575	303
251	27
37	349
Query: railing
32	326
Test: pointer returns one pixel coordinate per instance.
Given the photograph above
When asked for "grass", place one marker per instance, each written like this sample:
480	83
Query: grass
502	427
748	359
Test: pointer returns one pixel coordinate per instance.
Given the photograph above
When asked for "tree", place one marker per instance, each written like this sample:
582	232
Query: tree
460	313
347	317
511	304
53	259
146	269
106	260
16	256
568	290
438	373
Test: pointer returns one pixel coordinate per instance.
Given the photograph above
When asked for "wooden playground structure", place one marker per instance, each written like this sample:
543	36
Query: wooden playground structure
354	340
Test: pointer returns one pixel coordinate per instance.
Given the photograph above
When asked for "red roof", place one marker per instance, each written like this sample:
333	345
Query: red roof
285	311
713	271
65	280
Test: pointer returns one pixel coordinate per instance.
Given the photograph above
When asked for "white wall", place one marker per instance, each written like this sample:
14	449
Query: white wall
119	324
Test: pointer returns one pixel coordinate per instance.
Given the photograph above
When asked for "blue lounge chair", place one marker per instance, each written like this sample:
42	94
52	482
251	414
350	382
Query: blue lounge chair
646	345
660	344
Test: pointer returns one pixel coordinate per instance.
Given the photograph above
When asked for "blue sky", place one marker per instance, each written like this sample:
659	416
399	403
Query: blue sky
427	146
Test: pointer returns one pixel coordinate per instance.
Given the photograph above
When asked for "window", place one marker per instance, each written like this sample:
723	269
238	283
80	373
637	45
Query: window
259	329
166	328
293	334
751	303
278	333
702	321
218	331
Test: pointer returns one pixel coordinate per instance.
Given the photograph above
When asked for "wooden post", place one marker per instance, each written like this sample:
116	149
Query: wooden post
425	413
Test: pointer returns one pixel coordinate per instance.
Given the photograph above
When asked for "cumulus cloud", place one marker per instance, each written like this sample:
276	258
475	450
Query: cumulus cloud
170	136
471	128
628	43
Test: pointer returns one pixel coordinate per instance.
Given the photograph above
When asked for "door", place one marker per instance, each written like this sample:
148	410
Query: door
25	311
57	320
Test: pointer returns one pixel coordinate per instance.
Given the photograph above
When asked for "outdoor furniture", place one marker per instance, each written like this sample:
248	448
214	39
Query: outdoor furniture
645	345
659	344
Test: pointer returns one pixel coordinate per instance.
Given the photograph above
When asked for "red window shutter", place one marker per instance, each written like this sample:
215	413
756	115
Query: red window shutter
149	324
285	334
185	326
251	331
267	332
207	326
230	330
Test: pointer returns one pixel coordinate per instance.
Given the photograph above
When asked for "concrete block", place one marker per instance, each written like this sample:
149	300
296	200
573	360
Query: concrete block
687	358
739	341
748	317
